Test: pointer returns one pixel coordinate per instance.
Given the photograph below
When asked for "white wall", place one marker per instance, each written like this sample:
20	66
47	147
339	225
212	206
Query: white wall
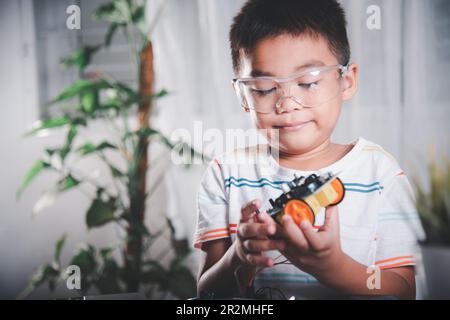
26	241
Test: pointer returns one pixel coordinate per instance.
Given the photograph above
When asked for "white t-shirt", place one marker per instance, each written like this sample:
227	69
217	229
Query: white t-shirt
379	224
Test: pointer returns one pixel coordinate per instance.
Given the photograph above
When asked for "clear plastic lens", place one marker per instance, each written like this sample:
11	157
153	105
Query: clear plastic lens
311	89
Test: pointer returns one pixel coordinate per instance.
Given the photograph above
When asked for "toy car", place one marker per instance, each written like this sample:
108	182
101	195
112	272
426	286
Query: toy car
302	198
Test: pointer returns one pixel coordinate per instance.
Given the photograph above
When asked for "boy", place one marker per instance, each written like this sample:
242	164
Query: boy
291	58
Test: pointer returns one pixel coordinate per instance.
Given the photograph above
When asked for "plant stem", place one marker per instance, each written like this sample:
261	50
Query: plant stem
137	187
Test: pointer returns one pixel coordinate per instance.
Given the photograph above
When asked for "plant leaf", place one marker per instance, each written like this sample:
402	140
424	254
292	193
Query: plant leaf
122	87
69	140
123	6
80	58
32	173
182	283
162	93
50	123
89	100
434	206
58	248
115	172
110	33
138	14
153	271
108	281
138	18
79	87
85	259
111	12
45	273
89	148
46	200
100	213
67	183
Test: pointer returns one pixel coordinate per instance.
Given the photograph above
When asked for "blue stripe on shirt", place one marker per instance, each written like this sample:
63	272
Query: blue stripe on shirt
232	181
397	216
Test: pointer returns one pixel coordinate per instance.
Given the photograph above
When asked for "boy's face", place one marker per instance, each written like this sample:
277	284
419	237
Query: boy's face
300	129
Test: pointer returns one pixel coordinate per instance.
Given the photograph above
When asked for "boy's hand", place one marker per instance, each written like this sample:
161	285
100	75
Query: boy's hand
317	253
253	235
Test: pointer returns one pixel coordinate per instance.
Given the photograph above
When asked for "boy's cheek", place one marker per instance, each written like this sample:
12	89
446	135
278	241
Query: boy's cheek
261	121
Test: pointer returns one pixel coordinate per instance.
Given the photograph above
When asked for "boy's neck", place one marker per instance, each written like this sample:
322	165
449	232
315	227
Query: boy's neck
322	156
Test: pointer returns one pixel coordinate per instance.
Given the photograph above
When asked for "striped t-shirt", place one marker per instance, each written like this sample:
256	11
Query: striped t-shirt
379	224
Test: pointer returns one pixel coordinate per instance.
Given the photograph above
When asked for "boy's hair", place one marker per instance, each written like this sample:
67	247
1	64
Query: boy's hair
262	19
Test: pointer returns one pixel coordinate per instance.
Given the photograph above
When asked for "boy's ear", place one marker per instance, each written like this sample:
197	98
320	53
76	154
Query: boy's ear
350	81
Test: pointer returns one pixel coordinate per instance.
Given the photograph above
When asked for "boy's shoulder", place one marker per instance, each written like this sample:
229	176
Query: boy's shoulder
366	156
378	153
382	161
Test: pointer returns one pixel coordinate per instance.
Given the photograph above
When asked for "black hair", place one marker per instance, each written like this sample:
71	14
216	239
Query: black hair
262	19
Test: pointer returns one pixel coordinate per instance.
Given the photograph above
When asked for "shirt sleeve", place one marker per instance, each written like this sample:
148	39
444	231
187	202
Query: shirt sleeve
212	207
398	225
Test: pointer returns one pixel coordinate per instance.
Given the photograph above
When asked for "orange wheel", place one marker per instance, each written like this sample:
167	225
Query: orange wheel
299	210
338	186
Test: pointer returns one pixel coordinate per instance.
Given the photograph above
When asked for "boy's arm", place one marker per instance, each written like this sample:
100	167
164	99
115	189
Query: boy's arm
351	278
227	268
320	254
217	270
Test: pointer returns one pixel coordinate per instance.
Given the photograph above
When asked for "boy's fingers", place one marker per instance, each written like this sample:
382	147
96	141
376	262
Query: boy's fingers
248	210
259	260
316	240
263	245
252	230
331	219
294	234
265	218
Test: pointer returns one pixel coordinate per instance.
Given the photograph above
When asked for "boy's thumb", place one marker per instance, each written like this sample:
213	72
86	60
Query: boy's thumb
332	217
249	210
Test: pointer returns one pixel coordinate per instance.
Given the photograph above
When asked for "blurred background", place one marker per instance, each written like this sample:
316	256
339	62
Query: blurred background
402	104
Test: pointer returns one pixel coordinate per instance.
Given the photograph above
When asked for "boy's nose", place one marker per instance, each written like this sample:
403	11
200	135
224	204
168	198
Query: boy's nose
288	104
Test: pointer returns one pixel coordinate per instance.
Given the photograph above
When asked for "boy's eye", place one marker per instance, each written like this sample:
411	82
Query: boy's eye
263	92
311	85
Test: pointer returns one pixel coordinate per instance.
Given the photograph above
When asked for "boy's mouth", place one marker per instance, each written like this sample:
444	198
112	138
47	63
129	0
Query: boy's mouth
293	126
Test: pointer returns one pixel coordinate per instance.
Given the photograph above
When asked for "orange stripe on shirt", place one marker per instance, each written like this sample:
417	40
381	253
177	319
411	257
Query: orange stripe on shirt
408	262
215	236
216	230
212	231
394	259
375	148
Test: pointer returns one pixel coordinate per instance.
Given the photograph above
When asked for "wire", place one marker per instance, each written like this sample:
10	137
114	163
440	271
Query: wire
270	290
261	290
282	262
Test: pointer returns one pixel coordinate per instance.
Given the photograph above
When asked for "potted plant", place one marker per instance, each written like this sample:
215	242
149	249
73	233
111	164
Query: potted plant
433	206
100	98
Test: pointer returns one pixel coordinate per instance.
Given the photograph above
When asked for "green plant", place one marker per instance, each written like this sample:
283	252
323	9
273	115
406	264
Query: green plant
433	205
122	202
